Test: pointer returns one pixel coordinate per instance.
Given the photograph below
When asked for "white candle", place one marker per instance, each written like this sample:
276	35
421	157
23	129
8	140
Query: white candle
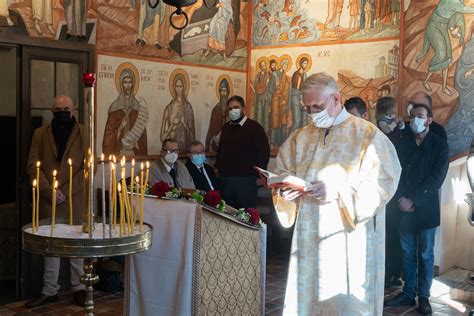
38	164
104	217
33	209
70	191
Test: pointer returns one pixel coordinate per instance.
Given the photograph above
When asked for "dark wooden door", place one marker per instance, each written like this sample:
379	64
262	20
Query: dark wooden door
43	69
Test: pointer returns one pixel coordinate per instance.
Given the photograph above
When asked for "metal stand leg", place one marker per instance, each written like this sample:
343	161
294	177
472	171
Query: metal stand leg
89	279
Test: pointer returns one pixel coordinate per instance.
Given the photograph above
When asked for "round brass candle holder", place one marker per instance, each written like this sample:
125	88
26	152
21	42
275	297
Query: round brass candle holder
77	244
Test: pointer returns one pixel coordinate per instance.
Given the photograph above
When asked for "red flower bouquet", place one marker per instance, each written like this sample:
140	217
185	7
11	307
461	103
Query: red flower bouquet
254	215
212	198
160	188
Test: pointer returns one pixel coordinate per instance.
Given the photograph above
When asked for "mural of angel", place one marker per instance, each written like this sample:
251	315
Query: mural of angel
125	129
446	18
178	116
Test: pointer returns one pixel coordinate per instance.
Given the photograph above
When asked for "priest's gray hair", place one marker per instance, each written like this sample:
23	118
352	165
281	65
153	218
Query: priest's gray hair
321	80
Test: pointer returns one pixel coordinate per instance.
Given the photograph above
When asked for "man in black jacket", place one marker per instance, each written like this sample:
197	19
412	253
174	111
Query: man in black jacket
203	175
424	158
243	145
425	99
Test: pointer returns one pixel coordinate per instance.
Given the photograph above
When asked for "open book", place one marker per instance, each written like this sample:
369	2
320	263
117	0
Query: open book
281	181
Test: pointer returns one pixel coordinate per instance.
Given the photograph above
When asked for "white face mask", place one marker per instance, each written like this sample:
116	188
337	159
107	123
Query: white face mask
234	114
417	125
321	119
171	158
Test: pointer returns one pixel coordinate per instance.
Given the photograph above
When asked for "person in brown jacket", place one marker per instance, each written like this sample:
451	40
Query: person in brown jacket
53	144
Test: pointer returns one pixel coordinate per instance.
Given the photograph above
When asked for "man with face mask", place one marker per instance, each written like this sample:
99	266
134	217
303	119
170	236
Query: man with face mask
424	158
336	265
53	144
242	146
167	168
426	100
203	175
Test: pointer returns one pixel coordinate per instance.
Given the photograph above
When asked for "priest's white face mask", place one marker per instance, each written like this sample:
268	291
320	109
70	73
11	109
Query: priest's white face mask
321	118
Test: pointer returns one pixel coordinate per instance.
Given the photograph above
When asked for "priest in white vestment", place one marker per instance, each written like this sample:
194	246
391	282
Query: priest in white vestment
337	252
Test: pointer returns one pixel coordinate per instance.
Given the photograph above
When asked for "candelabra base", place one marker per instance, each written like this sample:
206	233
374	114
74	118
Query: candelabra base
89	279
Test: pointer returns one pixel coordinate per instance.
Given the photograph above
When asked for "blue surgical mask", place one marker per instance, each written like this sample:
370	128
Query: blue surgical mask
198	159
417	125
235	114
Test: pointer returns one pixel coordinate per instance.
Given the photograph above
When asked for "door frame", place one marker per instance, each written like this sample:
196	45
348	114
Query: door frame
29	48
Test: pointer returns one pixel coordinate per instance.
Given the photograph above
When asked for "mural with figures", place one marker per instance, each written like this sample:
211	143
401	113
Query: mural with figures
283	22
215	36
141	103
439	61
276	75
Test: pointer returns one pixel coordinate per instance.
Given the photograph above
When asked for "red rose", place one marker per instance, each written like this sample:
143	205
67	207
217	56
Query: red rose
254	215
88	79
212	198
160	188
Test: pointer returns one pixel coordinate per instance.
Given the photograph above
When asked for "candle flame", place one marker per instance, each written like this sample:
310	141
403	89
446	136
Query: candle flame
34	183
113	166
119	187
55	185
141	166
147	165
55	173
102	157
38	164
133	162
69	161
137	179
122	161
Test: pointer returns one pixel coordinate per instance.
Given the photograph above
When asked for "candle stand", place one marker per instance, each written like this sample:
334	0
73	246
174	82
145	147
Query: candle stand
70	242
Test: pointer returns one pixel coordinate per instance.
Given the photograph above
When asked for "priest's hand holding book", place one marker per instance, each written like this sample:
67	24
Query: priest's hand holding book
291	187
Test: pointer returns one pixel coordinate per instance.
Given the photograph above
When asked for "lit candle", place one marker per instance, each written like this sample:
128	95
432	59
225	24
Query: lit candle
126	202
33	209
38	164
142	189
110	195
53	219
132	174
114	196
143	194
104	217
139	190
70	191
119	188
55	173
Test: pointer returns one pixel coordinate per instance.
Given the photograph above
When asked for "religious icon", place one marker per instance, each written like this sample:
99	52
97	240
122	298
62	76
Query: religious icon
178	116
125	130
42	11
224	89
298	111
261	100
280	110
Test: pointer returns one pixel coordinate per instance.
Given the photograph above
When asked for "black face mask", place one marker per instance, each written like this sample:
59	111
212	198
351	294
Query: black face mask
62	117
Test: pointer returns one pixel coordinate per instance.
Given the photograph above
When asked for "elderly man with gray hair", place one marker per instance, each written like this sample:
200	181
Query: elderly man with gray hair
352	171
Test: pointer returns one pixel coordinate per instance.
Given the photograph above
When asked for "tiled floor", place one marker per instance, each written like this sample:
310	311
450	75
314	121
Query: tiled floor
109	304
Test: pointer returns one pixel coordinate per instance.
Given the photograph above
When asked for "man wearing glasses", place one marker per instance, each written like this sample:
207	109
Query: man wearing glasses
167	168
352	171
